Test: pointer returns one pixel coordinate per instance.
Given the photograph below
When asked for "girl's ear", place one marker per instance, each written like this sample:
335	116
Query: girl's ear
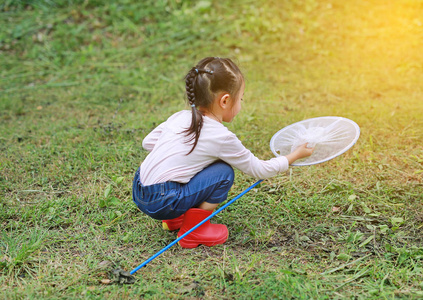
224	100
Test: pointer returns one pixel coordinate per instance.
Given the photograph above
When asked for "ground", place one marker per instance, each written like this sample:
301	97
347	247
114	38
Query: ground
82	82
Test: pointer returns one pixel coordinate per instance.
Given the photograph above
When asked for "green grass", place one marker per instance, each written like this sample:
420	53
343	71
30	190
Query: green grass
81	84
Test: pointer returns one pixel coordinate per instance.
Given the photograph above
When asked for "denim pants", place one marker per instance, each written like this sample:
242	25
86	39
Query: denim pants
169	200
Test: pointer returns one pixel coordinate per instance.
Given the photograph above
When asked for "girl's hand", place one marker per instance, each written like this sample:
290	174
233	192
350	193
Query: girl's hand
300	152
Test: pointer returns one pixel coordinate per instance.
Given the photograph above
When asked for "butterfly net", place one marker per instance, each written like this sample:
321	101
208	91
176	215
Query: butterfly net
331	136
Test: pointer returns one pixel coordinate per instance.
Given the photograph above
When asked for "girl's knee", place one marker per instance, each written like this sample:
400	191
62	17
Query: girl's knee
226	170
231	175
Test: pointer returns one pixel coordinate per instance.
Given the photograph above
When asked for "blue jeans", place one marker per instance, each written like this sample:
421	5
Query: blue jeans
169	200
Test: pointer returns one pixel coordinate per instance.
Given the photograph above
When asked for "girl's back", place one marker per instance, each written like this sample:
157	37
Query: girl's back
169	159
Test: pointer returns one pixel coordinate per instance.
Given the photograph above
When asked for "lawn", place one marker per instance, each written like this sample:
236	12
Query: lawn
82	83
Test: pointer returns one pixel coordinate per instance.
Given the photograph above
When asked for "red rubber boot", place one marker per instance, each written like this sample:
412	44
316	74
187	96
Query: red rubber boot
207	234
173	224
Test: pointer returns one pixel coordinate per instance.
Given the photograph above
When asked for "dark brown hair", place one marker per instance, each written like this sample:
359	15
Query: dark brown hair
209	77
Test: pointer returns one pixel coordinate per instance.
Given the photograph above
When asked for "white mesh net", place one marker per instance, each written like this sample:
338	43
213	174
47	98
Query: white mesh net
331	136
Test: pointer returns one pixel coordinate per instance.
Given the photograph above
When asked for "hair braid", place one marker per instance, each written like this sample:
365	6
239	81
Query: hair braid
197	117
189	86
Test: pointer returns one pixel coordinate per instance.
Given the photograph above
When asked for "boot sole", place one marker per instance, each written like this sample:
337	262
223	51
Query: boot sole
166	227
192	244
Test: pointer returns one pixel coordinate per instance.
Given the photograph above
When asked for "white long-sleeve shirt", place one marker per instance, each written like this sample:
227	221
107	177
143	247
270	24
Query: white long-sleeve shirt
167	160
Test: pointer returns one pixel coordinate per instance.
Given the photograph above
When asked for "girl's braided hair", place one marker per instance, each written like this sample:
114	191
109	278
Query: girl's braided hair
203	82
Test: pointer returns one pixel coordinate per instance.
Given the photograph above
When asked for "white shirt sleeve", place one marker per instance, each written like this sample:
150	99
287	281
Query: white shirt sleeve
233	152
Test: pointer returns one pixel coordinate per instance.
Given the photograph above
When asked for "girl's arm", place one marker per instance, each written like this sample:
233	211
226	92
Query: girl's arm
234	153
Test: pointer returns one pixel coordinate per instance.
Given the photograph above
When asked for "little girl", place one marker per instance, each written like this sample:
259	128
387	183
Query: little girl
188	171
